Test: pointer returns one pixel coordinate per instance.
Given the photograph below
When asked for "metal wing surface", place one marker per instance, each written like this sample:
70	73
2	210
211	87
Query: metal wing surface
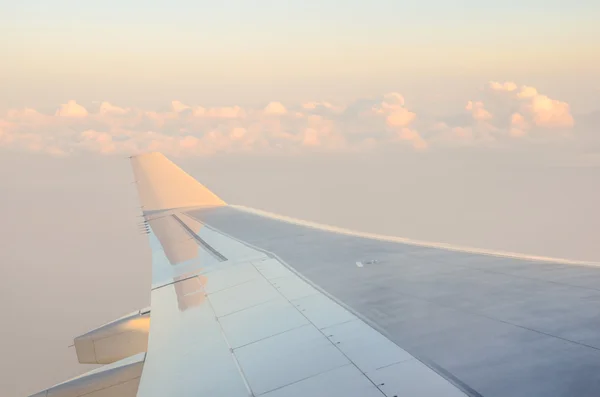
247	303
230	318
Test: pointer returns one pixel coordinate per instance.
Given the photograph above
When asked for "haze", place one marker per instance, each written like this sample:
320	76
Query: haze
470	123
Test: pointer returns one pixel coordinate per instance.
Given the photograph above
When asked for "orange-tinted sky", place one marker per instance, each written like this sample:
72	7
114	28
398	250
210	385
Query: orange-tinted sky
204	77
211	53
468	122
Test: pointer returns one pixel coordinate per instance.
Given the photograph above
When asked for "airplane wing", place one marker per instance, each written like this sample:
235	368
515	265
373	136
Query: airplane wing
248	303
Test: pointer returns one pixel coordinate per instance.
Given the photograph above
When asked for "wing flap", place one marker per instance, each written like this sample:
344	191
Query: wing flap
119	379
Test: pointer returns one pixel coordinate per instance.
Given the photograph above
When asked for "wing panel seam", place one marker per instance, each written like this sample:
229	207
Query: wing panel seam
231	350
321	332
436	368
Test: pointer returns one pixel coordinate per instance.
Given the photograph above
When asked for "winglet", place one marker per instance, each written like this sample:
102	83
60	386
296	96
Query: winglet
163	185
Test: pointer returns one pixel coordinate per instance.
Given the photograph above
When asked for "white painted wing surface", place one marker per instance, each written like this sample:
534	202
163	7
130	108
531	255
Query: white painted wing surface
229	319
249	303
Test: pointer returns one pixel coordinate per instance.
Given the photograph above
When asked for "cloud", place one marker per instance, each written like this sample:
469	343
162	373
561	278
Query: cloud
476	134
508	86
550	113
276	108
107	108
26	114
478	111
537	110
526	91
311	137
512	111
225	112
505	113
399	120
178	106
324	106
518	125
95	141
413	137
322	133
71	109
392	100
238	133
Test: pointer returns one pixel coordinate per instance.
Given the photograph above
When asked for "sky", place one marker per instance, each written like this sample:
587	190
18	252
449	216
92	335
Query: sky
139	53
474	123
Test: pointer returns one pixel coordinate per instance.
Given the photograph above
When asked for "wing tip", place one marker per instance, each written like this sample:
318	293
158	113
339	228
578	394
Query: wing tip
163	185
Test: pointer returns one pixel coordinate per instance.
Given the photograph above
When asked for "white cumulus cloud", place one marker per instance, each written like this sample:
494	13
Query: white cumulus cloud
506	112
71	109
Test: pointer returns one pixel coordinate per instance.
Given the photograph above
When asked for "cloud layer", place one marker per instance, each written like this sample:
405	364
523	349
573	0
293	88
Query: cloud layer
505	112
